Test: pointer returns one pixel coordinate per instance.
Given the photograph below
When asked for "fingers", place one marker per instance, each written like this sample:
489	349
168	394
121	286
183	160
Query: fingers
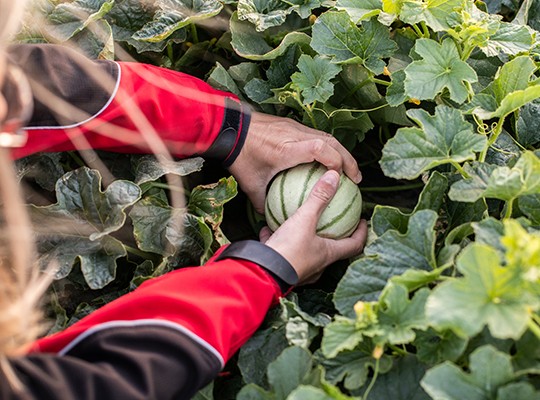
265	234
352	245
329	152
319	197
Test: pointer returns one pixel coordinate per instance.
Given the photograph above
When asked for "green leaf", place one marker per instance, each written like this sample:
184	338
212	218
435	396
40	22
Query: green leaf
499	182
96	42
435	13
399	316
530	206
347	127
314	78
259	351
341	334
88	216
128	17
510	39
511	88
44	168
440	139
402	382
387	218
208	201
436	347
156	224
511	103
300	327
289	370
149	169
250	44
263	14
352	367
518	391
527	356
512	76
440	68
360	10
414	279
395	94
206	393
309	393
221	79
304	8
71	18
391	254
528	124
254	392
335	35
487	294
176	14
489	370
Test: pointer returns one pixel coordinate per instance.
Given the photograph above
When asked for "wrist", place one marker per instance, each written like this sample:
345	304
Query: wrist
231	138
267	258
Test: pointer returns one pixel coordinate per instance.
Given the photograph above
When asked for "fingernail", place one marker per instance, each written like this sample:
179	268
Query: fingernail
358	177
331	177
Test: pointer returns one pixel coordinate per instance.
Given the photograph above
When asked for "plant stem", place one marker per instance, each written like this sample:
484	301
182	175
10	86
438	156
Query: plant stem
77	159
533	326
137	252
375	375
492	138
393	188
425	29
170	52
380	82
397	350
194	34
417	30
509	207
460	169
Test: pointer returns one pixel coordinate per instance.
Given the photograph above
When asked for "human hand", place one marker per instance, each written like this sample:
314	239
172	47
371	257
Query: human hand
274	144
298	242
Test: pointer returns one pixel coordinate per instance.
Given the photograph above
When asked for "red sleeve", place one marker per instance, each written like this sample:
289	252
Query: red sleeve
150	109
219	305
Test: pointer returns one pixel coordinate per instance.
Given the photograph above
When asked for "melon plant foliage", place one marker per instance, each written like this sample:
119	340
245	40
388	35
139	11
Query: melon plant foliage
439	101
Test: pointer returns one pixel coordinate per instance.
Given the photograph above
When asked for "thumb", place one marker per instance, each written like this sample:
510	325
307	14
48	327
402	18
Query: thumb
321	195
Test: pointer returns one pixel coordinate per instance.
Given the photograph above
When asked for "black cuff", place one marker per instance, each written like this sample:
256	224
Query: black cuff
269	259
232	135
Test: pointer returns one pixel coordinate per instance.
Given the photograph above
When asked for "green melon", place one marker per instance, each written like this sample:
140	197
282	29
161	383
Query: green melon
290	189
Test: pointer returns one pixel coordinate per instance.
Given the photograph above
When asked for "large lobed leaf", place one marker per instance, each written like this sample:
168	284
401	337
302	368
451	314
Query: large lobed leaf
86	216
391	254
335	35
173	15
489	378
440	68
503	183
440	139
313	79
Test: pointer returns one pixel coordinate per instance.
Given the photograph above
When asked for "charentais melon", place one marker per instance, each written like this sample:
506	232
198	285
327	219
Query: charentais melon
290	189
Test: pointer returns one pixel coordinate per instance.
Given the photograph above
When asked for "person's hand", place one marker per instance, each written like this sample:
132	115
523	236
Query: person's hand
274	144
298	242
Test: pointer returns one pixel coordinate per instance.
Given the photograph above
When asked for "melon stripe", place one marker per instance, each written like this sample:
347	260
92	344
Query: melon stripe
281	196
312	170
341	215
272	216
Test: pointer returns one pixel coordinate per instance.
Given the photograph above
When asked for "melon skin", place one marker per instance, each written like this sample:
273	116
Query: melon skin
290	189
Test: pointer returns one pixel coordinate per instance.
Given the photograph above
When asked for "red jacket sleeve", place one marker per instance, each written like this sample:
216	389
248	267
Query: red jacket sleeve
126	107
165	340
219	305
